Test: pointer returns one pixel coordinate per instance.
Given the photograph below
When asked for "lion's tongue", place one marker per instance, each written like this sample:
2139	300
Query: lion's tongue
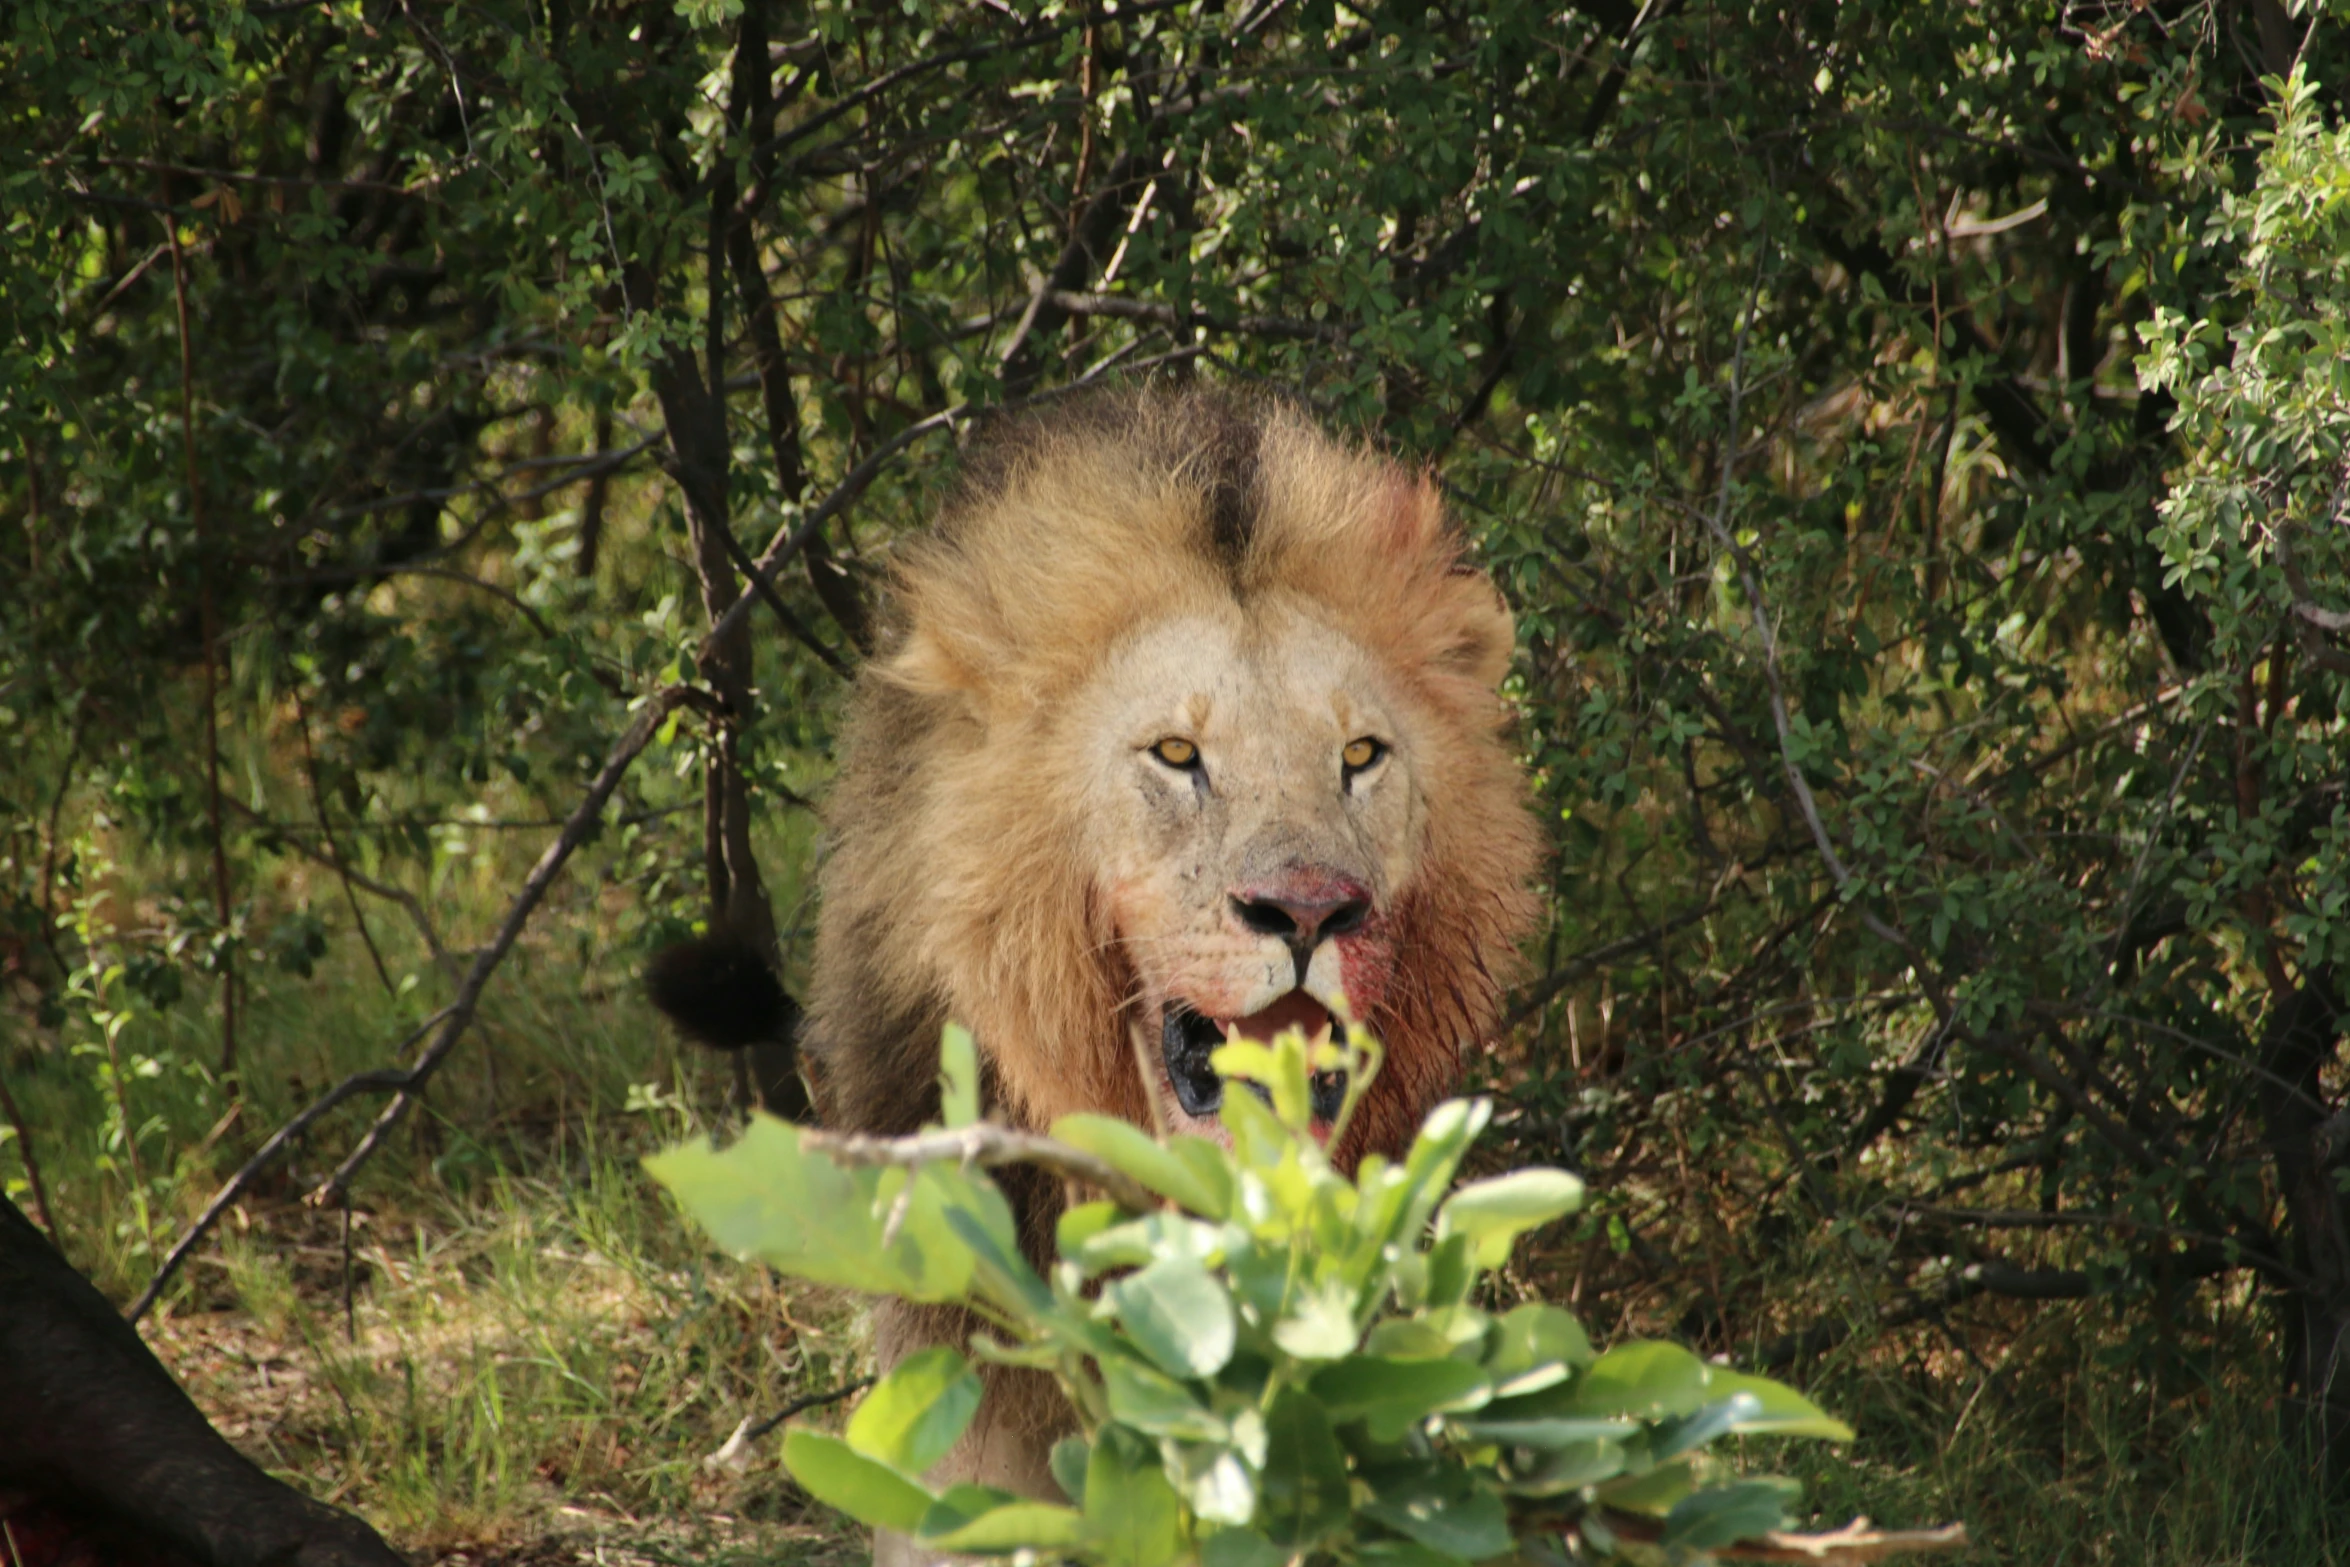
1295	1010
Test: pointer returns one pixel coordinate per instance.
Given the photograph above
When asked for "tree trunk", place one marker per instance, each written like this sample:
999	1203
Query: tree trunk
2309	1146
739	906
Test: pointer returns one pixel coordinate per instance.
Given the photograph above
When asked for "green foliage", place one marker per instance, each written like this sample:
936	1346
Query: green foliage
1284	1360
2001	340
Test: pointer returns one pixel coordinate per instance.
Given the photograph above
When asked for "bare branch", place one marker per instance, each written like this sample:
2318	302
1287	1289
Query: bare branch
384	890
1120	307
32	1167
576	828
792	538
383	1080
987	1145
1717	522
1545	990
577	469
1856	1542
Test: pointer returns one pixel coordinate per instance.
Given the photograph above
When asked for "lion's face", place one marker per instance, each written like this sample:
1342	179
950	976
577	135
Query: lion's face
1189	727
1253	804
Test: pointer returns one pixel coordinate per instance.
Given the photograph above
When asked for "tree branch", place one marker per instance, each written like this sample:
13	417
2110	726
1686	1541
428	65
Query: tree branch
576	828
1119	307
383	1080
1717	522
987	1145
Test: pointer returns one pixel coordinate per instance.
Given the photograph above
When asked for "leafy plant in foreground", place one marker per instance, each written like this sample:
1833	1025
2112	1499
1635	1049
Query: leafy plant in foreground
1278	1361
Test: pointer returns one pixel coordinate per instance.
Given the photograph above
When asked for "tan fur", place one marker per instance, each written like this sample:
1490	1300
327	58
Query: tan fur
1005	850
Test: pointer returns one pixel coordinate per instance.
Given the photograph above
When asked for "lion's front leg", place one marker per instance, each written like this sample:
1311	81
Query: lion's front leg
1010	1442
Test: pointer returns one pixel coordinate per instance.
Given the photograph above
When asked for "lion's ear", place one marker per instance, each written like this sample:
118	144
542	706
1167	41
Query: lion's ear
951	648
1481	637
928	665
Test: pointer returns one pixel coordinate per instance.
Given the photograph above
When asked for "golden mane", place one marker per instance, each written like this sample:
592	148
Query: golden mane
954	885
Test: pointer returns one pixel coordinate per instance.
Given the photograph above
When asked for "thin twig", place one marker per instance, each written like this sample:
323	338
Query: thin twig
1855	1543
1718	523
399	895
576	828
1119	307
764	586
792	538
334	850
1573	967
380	1081
32	1167
987	1145
73	752
735	1452
583	467
210	629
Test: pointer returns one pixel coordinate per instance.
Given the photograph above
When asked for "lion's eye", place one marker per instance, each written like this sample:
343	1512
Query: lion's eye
1361	752
1177	752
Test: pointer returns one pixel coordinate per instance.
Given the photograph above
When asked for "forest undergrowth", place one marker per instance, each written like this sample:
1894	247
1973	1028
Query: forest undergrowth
517	1352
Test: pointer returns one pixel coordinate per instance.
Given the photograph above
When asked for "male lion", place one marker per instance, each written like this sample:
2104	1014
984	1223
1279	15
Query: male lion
1185	726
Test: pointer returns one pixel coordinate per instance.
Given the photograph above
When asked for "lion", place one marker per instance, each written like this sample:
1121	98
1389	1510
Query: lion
1185	726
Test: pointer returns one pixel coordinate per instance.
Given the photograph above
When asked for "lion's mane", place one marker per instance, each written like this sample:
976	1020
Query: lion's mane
953	885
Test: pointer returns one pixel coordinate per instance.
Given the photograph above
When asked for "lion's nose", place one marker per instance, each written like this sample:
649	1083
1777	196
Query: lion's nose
1302	923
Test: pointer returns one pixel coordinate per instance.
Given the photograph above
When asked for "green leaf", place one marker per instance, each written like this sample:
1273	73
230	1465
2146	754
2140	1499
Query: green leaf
1070	1456
1320	1324
1646	1379
914	1414
1443	1507
1401	1553
841	1477
1570	1467
1716	1419
1494	1213
1534	1347
959	1504
1450	1275
767	1197
1785	1412
1240	1548
1211	1166
1216	1484
1540	1433
1392	1396
1132	1151
1436	1153
1304	1489
958	1076
1081	1224
1039	1526
1153	1402
1259	1142
1133	1517
1726	1514
1407	1338
999	1270
1178	1315
1279	1067
1654	1491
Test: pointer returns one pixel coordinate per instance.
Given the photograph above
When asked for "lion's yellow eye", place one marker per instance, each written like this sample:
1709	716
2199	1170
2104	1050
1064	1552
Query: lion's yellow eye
1361	753
1176	752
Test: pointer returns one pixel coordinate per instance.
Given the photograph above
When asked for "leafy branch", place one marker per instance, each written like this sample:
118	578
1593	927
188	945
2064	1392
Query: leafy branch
1265	1358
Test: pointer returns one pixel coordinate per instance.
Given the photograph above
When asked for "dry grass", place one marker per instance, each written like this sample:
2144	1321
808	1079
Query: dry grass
523	1355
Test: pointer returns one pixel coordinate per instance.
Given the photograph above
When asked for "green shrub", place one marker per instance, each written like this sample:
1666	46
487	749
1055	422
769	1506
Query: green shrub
1266	1358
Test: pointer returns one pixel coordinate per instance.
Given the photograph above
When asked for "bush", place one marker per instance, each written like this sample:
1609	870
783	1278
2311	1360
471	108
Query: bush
1265	1357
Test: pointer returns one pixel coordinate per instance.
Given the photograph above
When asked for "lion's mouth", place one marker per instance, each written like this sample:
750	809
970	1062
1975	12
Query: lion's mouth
1188	1037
